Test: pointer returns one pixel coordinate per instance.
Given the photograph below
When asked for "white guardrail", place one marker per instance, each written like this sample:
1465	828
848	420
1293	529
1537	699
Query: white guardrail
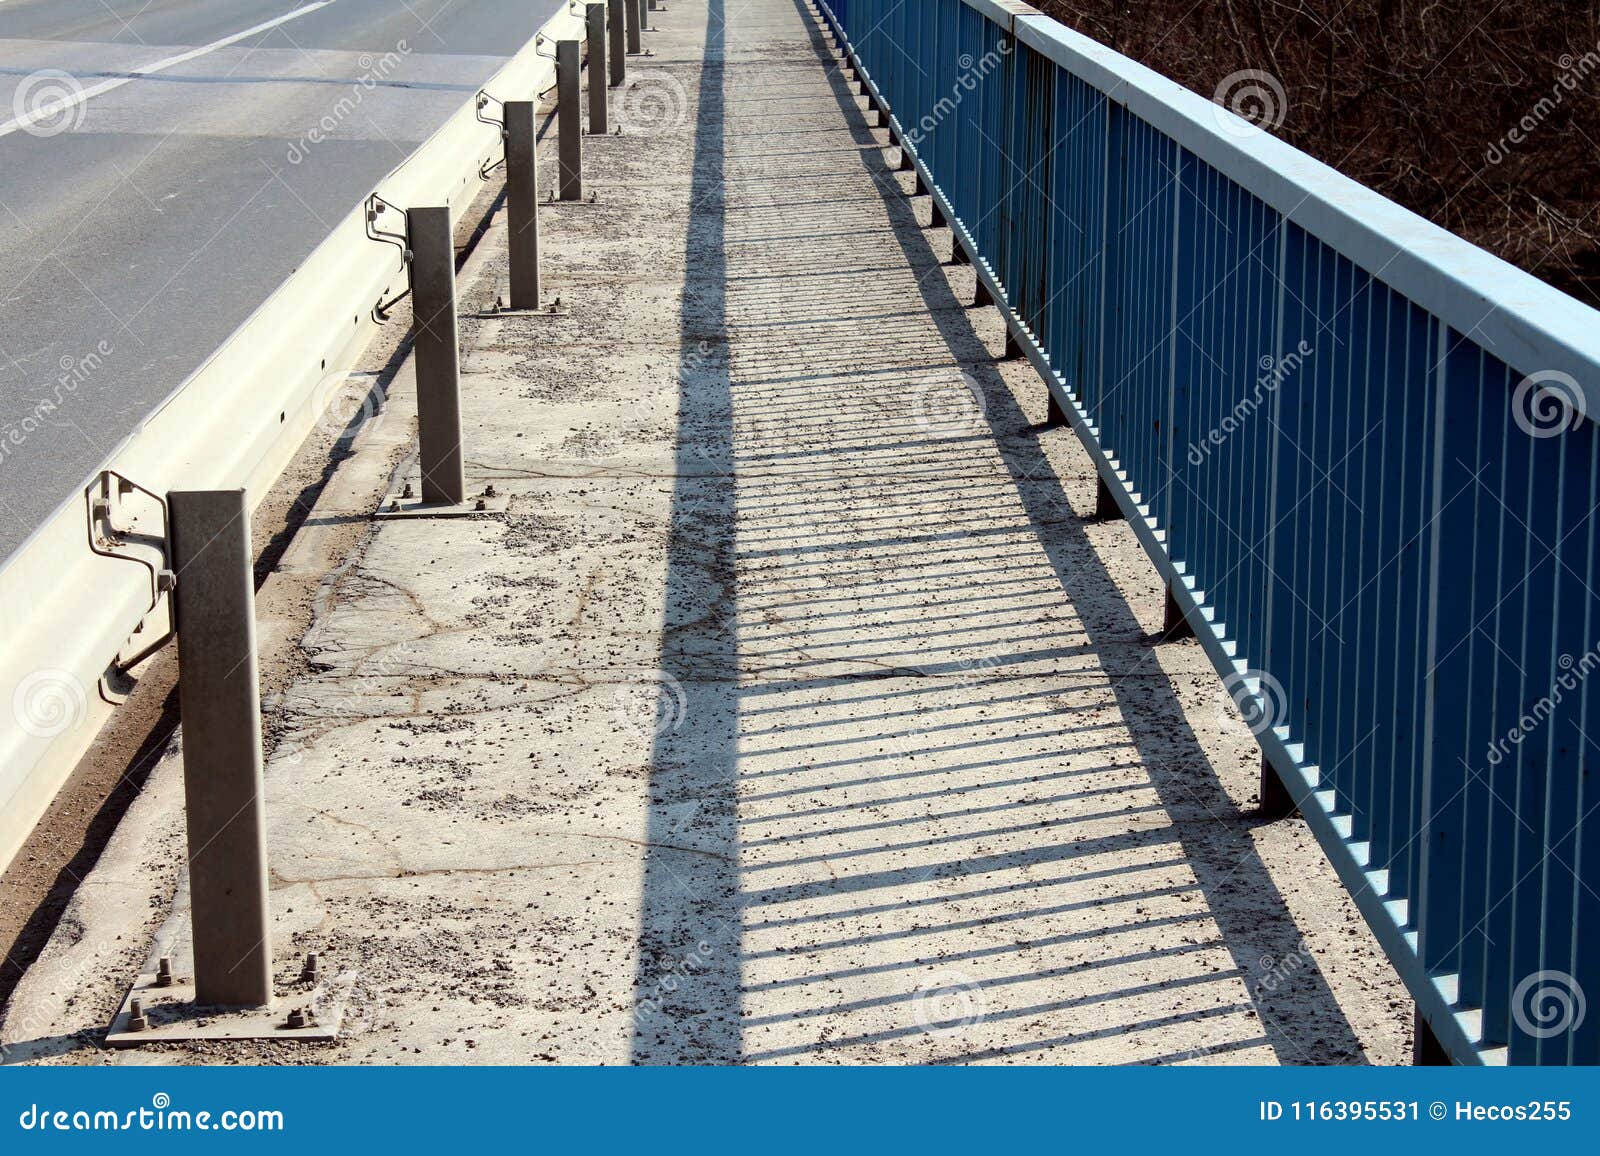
66	612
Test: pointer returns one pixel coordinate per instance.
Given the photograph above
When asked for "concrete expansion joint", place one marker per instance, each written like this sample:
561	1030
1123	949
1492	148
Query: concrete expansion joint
408	873
402	873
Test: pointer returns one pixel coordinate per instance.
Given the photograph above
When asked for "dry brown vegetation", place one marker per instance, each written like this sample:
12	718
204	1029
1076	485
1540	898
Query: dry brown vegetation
1483	117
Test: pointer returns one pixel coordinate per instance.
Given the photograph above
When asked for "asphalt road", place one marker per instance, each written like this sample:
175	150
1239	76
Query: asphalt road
157	182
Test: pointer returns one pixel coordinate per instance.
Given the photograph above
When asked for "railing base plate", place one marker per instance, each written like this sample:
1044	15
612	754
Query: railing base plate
174	1017
395	507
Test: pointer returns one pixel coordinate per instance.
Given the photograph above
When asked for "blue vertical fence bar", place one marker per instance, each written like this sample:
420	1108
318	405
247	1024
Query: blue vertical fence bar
1361	449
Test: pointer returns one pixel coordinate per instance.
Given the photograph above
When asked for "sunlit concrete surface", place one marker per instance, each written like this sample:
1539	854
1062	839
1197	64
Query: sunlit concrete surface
796	712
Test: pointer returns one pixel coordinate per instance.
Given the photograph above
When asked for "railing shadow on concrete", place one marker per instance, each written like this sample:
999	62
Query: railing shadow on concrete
1238	893
1392	562
757	883
685	935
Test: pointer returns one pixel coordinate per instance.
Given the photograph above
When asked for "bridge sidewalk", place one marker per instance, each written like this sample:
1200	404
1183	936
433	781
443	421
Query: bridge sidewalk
795	711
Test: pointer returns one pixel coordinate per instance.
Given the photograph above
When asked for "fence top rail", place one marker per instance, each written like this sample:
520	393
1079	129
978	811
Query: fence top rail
1531	326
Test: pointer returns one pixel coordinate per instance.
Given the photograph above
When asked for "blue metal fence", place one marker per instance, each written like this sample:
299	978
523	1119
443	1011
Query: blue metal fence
1359	450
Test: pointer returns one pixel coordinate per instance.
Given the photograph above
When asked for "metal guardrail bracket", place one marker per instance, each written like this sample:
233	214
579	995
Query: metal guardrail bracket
376	207
116	506
483	102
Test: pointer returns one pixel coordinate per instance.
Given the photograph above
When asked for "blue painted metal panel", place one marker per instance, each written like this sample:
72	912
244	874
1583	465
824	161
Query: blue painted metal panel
1316	416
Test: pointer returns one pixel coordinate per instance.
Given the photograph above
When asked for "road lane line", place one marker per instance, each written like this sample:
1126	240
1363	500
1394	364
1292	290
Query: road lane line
56	107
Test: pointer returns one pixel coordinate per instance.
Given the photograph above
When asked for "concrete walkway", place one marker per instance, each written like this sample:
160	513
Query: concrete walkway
795	712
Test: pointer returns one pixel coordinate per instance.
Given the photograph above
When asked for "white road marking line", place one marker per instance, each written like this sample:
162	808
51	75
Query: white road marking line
72	101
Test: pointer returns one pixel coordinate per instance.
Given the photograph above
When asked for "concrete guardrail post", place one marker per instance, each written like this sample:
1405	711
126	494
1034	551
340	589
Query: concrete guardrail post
522	202
618	58
220	700
635	27
570	126
596	17
433	280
